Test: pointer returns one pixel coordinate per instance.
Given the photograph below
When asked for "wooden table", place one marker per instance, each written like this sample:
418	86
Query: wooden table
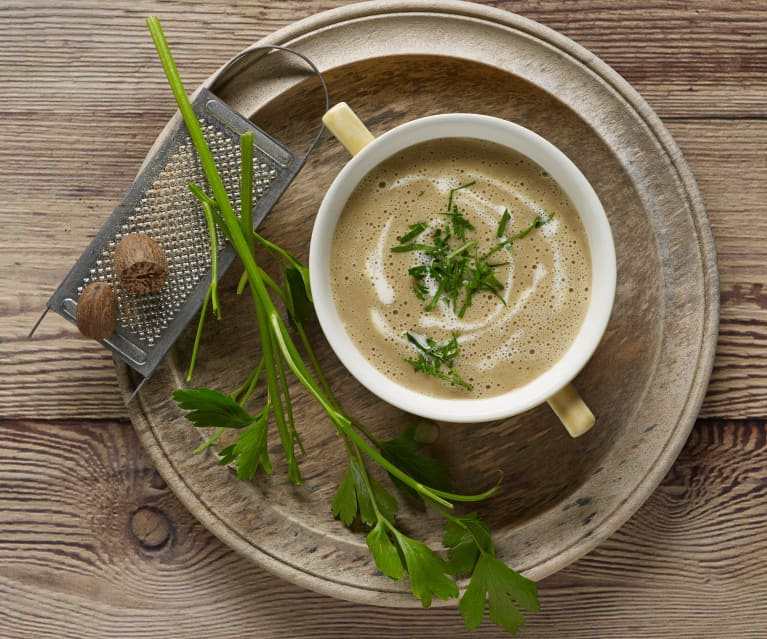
92	542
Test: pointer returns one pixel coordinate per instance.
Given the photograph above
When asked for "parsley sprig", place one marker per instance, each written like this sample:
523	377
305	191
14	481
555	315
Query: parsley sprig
471	551
454	263
432	358
361	500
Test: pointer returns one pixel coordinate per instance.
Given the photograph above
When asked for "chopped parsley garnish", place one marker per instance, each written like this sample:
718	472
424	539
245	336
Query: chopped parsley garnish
437	361
453	270
453	263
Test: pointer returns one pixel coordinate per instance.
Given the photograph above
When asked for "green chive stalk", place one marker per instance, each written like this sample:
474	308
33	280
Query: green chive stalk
277	345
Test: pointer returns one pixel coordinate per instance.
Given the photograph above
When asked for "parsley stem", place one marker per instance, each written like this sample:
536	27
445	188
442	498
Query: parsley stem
262	302
406	248
197	337
426	491
210	441
435	299
242	282
468	498
271	284
342	422
204	199
249	385
373	440
289	407
368	485
246	182
460	250
502	224
457	188
207	209
314	362
190	119
264	311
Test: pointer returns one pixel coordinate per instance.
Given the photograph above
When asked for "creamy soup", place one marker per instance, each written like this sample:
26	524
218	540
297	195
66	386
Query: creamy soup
506	339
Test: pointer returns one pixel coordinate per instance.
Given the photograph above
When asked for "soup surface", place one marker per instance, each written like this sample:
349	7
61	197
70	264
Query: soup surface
506	336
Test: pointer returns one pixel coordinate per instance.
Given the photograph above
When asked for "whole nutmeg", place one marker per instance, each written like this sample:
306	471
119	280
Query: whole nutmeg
96	311
140	264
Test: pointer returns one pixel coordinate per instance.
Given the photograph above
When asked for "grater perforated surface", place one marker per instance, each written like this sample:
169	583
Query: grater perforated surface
161	205
170	214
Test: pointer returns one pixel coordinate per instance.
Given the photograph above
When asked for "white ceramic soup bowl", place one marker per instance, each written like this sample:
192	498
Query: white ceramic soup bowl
553	385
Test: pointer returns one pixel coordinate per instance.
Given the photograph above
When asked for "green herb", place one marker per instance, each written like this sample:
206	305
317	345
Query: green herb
361	500
502	224
210	408
406	452
458	222
414	231
471	551
432	358
506	243
453	263
249	451
459	271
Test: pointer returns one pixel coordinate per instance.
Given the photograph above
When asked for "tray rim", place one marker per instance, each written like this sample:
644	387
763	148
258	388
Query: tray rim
709	322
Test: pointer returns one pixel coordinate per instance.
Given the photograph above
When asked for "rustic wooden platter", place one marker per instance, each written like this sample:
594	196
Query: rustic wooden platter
394	61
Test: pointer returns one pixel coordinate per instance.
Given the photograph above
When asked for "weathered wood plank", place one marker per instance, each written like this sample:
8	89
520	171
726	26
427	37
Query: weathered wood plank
70	559
705	59
82	100
731	171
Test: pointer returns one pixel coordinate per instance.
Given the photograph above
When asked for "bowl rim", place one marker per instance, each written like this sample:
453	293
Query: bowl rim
573	183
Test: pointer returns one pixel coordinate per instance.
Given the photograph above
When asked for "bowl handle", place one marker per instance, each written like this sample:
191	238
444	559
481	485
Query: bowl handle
572	411
343	123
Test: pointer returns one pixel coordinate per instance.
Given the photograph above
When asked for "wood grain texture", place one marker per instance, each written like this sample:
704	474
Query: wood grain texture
82	100
731	170
70	561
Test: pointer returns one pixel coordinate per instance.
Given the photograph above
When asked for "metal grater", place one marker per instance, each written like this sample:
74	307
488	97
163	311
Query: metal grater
160	204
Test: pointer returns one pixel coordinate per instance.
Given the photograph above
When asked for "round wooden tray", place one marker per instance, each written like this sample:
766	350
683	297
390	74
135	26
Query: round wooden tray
395	61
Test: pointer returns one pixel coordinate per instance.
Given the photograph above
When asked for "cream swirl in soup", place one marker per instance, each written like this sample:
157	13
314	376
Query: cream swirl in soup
506	339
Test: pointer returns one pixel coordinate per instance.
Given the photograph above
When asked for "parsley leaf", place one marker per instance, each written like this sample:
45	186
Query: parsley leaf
414	230
249	451
465	537
298	298
502	224
459	223
210	408
384	552
506	243
404	451
344	506
353	500
458	270
361	497
493	584
503	589
428	572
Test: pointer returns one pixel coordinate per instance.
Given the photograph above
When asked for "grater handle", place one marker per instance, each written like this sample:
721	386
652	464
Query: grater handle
268	48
